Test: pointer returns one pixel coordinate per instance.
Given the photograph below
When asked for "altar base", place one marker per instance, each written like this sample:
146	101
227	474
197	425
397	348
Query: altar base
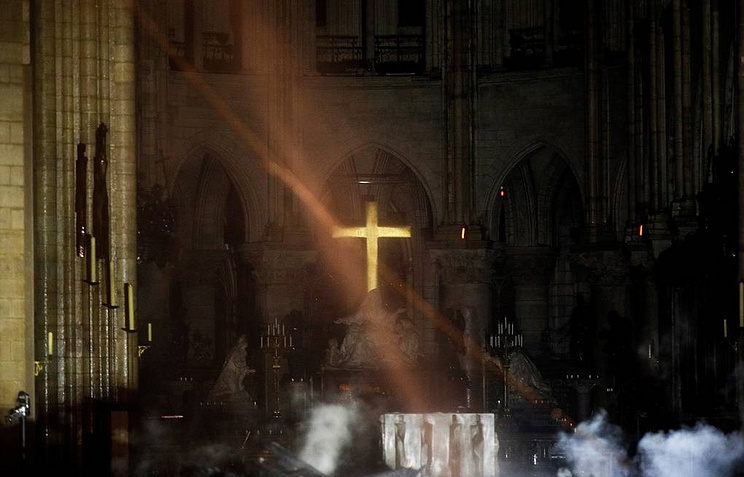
441	444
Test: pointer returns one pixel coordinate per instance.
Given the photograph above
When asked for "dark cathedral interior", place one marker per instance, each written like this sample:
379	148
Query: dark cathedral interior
457	238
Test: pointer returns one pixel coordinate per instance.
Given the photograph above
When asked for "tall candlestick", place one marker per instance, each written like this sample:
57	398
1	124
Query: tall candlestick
149	332
92	267
129	306
725	328
50	343
112	298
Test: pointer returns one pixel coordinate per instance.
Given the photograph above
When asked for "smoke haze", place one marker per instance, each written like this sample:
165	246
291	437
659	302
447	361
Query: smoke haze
329	433
597	449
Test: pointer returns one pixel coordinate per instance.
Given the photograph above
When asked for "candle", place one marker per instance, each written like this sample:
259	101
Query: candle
149	332
112	301
649	351
50	343
129	310
92	269
725	328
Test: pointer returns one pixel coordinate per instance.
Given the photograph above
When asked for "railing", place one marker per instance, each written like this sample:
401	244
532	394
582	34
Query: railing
219	55
527	47
339	54
399	54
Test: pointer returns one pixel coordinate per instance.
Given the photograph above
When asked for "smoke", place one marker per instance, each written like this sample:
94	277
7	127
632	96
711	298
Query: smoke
597	449
329	433
702	451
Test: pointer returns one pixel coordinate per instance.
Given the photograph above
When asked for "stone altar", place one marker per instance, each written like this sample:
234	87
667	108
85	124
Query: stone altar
441	444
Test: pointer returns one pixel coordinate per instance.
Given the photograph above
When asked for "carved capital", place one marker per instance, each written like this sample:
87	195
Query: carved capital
275	265
601	267
464	265
531	265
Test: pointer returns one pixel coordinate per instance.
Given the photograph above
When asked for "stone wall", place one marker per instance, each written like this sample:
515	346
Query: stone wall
16	335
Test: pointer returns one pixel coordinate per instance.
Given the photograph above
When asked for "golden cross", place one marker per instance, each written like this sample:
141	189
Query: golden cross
372	231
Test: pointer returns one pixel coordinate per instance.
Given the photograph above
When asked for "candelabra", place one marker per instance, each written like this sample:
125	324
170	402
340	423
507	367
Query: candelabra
275	341
503	344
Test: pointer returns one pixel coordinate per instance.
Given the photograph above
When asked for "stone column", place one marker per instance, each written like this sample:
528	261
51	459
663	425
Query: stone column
84	74
465	287
606	271
740	112
281	277
16	219
459	96
197	274
532	269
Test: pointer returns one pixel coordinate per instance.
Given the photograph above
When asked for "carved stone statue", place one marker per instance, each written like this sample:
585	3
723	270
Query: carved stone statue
100	194
229	385
374	334
522	369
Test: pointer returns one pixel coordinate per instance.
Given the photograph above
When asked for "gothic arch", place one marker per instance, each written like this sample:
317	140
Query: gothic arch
529	205
334	165
240	171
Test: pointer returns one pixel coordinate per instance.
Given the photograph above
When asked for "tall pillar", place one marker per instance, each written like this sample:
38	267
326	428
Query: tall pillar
17	354
465	287
593	92
460	96
281	278
740	134
532	269
84	75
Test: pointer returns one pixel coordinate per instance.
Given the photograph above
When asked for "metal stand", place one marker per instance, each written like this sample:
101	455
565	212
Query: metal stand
275	342
503	344
21	412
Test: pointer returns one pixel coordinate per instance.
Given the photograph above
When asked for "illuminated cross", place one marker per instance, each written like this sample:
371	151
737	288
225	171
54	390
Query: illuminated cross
371	231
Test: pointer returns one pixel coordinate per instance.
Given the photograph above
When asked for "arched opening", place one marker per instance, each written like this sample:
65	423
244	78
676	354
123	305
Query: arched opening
536	216
371	174
203	300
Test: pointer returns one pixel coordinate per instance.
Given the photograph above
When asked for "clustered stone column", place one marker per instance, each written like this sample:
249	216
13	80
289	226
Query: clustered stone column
465	288
84	76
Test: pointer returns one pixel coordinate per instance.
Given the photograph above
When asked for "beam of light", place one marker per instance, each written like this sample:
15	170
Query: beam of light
407	381
372	231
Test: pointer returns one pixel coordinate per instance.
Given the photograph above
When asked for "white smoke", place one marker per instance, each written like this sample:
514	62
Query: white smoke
329	433
596	449
702	451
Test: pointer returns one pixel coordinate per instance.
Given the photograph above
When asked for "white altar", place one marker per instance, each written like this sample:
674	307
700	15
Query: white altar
440	444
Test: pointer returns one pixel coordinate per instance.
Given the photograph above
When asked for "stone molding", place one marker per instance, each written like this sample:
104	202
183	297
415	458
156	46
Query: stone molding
531	265
464	265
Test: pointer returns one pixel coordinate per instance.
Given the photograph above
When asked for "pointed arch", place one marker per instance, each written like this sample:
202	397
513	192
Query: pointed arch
239	168
536	175
333	166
